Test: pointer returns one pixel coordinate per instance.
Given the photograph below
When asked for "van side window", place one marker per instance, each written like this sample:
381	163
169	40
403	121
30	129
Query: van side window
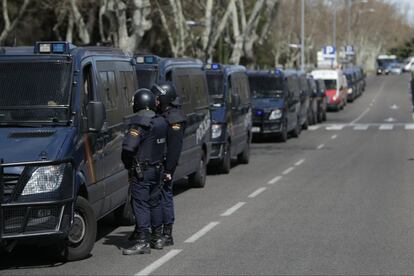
198	88
181	79
109	91
127	85
87	88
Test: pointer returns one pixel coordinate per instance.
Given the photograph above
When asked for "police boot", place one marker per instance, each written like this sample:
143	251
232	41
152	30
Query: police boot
157	241
134	235
167	235
141	247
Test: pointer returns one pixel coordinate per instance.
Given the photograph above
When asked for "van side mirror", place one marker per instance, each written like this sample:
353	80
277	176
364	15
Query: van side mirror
96	116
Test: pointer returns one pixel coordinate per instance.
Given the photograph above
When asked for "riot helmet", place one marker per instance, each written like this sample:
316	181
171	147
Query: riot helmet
144	99
165	93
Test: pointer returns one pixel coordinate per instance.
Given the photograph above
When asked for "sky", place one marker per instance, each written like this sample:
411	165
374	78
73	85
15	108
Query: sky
407	7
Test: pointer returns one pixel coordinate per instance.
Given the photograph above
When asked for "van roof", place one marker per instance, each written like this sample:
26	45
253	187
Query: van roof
226	68
325	74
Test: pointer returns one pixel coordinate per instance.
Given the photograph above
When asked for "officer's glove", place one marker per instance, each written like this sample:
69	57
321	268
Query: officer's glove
167	177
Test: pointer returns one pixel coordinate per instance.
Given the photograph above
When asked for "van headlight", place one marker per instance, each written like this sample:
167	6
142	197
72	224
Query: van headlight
349	90
216	131
45	179
275	114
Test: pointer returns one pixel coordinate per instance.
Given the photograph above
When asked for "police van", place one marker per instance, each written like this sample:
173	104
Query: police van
305	93
276	103
231	115
61	131
189	79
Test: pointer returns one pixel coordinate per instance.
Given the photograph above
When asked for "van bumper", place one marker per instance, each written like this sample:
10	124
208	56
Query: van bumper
267	127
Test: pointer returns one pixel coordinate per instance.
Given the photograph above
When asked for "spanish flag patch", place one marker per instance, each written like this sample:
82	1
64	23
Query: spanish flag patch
176	126
134	133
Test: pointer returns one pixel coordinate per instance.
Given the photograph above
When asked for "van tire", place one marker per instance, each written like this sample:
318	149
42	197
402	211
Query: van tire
283	136
225	163
124	215
198	179
305	124
297	129
82	249
244	156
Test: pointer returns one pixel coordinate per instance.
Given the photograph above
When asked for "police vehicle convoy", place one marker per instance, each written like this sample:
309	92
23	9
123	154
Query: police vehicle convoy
189	79
61	131
276	103
64	112
230	107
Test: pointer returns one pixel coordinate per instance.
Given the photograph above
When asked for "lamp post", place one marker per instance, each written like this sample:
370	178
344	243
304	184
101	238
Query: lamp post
302	37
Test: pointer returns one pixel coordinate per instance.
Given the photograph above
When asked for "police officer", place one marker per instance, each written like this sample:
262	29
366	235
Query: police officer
142	154
168	107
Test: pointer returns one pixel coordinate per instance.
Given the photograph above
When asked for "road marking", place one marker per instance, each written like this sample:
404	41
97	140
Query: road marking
320	146
155	265
314	127
360	116
334	137
300	162
257	192
386	127
288	170
394	106
202	232
389	120
409	126
361	127
233	209
335	127
274	180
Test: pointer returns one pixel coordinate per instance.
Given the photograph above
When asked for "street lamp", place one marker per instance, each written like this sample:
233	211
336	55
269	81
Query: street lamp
302	37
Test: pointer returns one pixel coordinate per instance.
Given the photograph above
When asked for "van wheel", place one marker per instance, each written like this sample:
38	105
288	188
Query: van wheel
244	156
305	124
124	215
324	116
283	137
82	234
198	179
297	129
225	164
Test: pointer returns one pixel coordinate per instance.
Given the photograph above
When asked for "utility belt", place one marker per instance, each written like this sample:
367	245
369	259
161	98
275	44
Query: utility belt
139	168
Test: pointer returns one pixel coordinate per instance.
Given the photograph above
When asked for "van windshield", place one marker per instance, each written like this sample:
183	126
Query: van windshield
146	78
330	84
215	88
266	87
35	91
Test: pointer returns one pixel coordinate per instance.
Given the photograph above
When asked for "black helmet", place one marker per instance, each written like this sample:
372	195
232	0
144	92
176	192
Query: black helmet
165	93
144	99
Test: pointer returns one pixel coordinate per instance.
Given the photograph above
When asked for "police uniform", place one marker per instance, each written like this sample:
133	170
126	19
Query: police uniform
145	142
176	127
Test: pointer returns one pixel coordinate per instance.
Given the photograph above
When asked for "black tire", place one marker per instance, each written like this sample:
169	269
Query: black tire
305	124
225	164
198	179
296	131
283	137
84	217
124	214
244	156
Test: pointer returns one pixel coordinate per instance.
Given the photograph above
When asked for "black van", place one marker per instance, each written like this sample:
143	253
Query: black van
313	101
189	78
276	103
231	114
61	129
305	92
321	100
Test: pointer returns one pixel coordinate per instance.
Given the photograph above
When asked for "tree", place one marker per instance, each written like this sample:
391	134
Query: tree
10	25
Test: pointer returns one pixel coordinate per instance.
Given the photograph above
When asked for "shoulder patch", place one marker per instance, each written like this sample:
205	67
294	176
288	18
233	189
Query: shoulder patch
134	133
176	126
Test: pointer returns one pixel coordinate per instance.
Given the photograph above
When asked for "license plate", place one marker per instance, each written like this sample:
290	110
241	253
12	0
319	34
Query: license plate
255	129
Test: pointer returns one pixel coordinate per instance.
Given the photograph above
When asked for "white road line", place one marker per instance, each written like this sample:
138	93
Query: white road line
288	170
334	137
386	127
361	127
202	232
300	162
233	209
360	116
257	192
335	127
409	126
155	265
314	127
320	146
274	180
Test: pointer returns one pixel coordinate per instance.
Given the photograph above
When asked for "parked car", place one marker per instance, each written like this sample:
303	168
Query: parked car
231	115
62	109
353	84
305	94
189	78
313	101
276	103
335	84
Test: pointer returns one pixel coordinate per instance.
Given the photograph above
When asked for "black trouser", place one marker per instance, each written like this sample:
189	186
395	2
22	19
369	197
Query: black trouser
147	209
167	204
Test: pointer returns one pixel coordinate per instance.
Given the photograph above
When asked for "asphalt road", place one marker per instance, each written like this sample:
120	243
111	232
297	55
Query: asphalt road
338	200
